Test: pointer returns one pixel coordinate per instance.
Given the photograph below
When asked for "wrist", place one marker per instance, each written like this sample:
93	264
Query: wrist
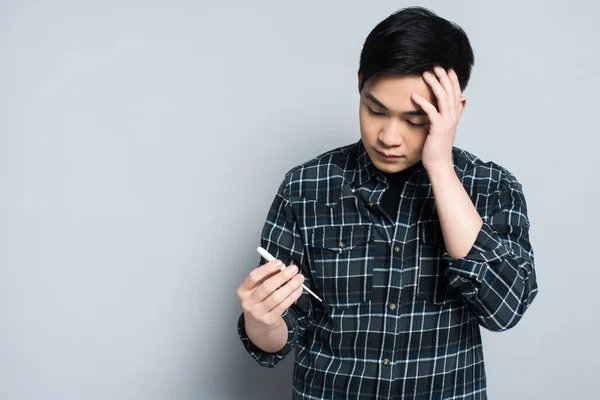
440	171
258	327
270	339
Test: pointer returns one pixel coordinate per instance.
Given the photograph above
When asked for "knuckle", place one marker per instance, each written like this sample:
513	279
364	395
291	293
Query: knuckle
291	270
253	277
260	293
276	299
266	288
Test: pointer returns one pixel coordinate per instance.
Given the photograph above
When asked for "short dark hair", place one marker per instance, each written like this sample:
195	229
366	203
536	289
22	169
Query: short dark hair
411	41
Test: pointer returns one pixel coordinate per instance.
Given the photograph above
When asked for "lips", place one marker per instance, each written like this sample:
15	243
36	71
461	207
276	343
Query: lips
387	155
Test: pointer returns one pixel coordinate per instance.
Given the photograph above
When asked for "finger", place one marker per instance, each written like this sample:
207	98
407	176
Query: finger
270	285
268	277
283	292
287	302
259	274
438	90
429	108
457	90
446	83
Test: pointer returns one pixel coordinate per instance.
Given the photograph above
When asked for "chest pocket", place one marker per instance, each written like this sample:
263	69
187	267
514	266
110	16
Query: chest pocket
432	285
342	263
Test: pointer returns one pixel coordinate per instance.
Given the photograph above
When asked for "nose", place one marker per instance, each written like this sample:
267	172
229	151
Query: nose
391	135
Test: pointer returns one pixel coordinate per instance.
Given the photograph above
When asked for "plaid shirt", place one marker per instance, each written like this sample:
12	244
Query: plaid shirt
400	318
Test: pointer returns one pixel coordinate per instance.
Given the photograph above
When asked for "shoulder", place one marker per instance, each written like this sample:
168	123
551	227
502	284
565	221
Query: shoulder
326	171
491	186
339	158
481	175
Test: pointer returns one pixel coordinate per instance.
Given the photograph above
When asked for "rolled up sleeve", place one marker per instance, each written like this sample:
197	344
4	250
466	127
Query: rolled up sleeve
265	359
497	278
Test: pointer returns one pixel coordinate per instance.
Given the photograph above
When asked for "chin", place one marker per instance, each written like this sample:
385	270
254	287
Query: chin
390	168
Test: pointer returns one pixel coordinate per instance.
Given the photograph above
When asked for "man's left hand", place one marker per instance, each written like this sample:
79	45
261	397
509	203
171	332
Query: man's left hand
437	151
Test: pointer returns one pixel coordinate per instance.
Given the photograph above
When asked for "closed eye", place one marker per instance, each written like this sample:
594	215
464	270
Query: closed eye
413	124
372	112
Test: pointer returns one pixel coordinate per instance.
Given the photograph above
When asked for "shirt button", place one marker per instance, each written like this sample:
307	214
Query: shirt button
371	203
386	362
342	245
397	249
392	307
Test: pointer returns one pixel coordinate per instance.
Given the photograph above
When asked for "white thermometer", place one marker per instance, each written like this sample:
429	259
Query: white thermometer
267	256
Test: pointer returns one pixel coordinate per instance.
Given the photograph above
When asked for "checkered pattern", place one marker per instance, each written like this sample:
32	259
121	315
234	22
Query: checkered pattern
400	318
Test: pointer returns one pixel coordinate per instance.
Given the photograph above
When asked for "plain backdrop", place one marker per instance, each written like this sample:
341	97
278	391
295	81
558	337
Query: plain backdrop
142	142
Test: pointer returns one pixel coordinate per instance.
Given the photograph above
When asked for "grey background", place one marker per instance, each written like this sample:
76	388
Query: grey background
141	144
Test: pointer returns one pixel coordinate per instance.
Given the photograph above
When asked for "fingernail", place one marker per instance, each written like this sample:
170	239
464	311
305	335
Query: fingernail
293	269
282	267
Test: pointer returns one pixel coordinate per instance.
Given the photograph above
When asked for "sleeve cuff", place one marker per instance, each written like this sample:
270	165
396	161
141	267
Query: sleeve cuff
270	359
487	249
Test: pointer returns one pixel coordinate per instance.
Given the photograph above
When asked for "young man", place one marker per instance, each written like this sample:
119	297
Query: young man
411	243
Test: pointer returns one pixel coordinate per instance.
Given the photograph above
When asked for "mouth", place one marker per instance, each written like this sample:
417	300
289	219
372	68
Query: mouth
388	156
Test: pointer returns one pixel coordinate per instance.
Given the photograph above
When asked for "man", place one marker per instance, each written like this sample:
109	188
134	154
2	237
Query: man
411	243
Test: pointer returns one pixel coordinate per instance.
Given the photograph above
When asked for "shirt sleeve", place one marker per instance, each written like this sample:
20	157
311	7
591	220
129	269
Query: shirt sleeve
497	278
281	237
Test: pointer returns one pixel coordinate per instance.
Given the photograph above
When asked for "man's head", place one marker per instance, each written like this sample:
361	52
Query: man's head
394	56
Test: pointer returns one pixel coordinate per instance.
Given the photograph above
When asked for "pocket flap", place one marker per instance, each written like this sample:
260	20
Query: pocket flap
341	238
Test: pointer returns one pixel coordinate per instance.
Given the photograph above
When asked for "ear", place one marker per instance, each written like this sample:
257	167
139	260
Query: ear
462	105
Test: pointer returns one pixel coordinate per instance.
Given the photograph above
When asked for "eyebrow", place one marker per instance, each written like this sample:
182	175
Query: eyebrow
381	105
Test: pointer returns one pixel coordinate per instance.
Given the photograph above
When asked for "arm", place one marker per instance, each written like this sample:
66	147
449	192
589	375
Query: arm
459	219
280	237
492	261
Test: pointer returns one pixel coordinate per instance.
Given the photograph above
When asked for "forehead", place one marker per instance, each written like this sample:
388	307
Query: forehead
395	91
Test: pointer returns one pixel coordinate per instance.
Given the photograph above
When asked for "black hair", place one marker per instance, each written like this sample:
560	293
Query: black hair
413	40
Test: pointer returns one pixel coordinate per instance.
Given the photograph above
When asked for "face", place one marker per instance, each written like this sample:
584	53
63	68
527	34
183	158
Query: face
392	126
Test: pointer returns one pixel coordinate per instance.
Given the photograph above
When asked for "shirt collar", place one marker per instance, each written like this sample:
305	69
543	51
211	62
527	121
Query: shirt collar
365	169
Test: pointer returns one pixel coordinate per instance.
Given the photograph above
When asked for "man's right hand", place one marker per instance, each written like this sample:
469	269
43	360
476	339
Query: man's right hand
264	299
